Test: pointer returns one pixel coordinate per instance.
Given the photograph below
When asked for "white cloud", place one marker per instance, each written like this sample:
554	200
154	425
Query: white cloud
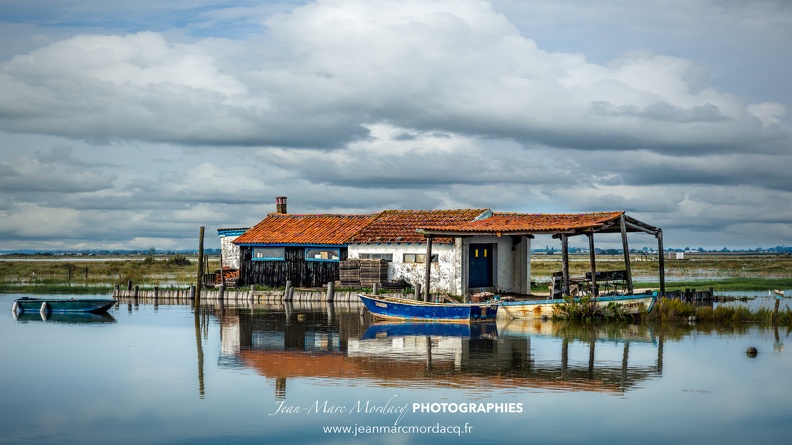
338	66
143	134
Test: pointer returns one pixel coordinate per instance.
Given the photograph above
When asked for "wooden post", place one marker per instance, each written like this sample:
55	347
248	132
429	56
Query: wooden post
222	275
287	292
775	310
375	289
330	291
661	261
417	291
428	272
200	267
221	292
593	261
626	247
129	285
564	264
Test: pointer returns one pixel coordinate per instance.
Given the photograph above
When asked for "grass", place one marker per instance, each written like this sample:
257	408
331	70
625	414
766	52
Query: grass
674	310
669	311
99	276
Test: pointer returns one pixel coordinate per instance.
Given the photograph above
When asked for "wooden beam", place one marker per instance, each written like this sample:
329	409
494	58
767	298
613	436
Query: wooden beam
428	272
564	263
199	280
661	261
593	261
626	248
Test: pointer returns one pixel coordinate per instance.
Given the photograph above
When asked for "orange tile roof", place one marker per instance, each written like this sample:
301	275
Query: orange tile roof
399	226
529	223
279	228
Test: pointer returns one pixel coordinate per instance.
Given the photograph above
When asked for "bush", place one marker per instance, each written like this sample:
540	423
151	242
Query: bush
670	309
586	309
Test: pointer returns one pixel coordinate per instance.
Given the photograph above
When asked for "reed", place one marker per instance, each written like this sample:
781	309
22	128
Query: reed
586	310
667	309
97	276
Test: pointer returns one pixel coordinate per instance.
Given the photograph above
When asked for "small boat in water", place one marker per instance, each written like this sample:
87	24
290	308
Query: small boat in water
631	304
58	305
391	308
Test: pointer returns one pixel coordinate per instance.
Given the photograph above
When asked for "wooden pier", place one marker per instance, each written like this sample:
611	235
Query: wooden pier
310	295
242	295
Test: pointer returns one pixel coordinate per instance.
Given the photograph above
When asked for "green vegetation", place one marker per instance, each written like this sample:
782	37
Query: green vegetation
585	309
97	276
667	310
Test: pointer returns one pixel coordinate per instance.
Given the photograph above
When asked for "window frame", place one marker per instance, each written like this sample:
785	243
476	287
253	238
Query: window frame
282	252
415	258
336	250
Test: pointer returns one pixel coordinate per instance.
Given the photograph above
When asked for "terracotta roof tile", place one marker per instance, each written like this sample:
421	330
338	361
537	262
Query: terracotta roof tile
304	229
399	226
526	222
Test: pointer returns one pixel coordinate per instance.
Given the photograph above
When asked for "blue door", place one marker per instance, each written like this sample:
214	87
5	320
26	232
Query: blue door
480	270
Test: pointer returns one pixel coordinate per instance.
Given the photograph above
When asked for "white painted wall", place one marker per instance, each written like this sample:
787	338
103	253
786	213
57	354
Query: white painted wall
230	251
450	274
444	273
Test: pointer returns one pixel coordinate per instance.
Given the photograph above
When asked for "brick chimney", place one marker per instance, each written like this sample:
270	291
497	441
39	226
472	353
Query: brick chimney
280	205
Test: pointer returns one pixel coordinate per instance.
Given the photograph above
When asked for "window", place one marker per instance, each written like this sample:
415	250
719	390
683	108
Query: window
321	254
376	256
269	253
418	258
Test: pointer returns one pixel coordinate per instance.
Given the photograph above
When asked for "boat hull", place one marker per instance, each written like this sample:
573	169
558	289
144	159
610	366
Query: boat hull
389	308
631	305
52	305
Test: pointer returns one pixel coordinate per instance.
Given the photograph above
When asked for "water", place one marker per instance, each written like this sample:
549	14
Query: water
276	374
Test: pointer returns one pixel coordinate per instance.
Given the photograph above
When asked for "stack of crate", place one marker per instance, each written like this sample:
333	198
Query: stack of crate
373	272
349	273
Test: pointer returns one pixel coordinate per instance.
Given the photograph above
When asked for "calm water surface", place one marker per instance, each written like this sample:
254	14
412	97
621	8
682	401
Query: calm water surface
301	374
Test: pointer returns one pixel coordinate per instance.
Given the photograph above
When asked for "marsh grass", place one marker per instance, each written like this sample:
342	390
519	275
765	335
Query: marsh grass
98	276
585	309
668	310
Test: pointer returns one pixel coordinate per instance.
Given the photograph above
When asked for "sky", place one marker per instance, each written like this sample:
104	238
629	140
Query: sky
129	125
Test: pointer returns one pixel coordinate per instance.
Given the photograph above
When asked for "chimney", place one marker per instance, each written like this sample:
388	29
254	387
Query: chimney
280	205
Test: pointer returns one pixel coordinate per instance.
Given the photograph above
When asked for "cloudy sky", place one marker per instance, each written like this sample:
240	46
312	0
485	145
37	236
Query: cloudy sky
132	124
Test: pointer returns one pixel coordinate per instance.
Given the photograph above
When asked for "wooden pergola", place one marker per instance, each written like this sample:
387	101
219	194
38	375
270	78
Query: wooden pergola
559	226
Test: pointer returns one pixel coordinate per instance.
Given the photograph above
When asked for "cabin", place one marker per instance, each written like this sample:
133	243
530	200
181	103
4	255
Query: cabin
460	252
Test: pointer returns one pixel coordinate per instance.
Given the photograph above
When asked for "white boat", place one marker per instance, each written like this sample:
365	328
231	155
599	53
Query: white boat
632	304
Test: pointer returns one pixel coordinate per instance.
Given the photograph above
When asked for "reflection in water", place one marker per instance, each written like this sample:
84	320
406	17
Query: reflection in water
65	318
320	341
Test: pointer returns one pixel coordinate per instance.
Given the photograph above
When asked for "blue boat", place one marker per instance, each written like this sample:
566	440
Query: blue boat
391	308
59	305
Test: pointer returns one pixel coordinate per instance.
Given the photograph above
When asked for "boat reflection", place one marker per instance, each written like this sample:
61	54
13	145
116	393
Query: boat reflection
402	329
65	318
337	342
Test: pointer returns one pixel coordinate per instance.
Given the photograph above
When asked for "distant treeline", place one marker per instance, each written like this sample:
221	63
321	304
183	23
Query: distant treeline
147	252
